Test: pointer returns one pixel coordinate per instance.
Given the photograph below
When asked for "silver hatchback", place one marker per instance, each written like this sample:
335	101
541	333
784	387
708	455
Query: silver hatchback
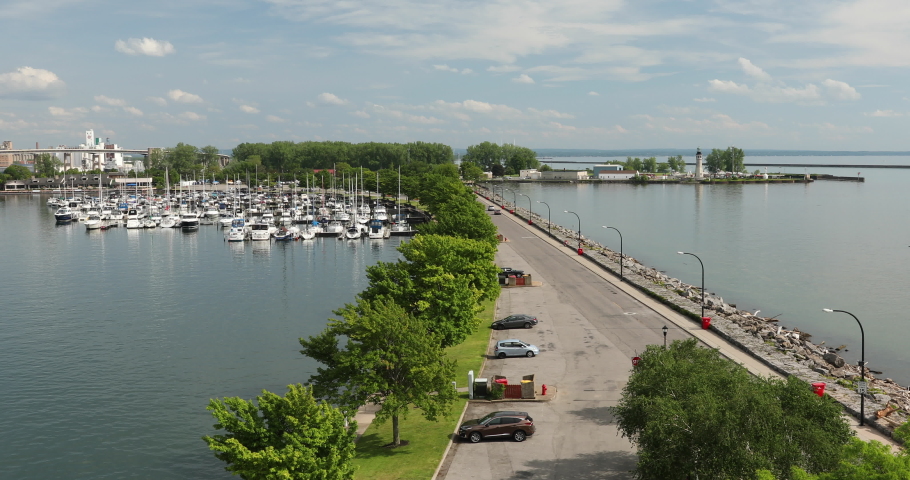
514	348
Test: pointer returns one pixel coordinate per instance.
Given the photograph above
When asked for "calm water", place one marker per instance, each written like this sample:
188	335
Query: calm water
112	343
789	250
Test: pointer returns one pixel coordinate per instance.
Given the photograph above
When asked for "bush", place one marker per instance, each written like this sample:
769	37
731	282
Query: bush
497	391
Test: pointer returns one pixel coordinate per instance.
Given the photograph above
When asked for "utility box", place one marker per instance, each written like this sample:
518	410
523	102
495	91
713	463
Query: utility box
480	387
527	386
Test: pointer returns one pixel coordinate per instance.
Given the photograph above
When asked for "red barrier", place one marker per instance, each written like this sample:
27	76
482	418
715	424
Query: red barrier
705	322
819	388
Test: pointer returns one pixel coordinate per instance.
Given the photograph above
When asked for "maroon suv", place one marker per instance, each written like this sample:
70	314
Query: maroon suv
517	425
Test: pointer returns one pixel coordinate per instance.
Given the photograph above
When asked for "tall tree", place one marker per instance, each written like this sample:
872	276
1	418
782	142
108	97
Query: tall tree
695	414
47	165
17	172
389	358
485	154
291	437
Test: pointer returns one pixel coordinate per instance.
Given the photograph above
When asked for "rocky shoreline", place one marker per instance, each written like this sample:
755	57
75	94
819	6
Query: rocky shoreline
786	351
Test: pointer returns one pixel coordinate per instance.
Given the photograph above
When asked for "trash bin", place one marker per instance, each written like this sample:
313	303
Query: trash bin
705	322
480	387
527	386
819	388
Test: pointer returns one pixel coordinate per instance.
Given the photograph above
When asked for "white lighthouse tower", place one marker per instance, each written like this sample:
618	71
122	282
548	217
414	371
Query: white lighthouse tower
698	170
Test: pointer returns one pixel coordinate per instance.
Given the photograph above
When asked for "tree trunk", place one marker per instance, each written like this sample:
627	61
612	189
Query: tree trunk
396	434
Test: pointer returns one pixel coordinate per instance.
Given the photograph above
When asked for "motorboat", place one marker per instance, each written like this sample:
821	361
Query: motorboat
189	221
334	228
65	214
169	221
380	213
93	222
259	231
308	233
132	219
226	220
352	233
378	230
237	232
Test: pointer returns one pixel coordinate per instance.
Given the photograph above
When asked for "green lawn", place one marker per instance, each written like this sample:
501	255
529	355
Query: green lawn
428	440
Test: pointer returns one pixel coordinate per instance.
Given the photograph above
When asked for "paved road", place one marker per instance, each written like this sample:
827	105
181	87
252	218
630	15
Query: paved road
589	332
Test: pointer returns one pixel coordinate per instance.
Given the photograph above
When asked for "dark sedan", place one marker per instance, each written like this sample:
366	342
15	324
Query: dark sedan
517	425
519	320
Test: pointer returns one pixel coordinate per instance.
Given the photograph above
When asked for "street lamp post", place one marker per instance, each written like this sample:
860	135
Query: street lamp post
548	215
530	212
862	366
621	256
514	201
665	336
580	250
702	281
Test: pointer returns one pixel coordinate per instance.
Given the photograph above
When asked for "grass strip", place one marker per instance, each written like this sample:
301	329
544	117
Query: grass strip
427	440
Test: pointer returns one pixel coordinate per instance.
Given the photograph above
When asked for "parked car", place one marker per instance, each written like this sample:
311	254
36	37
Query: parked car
518	425
506	271
519	320
514	347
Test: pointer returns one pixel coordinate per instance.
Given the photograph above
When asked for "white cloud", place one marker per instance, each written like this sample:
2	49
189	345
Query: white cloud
98	109
704	99
361	114
18	124
549	113
754	71
274	119
184	97
523	78
593	94
446	68
841	90
114	102
248	109
133	111
30	84
157	101
727	86
504	69
884	113
192	116
62	112
144	46
329	99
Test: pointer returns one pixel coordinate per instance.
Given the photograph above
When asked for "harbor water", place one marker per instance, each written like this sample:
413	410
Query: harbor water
112	342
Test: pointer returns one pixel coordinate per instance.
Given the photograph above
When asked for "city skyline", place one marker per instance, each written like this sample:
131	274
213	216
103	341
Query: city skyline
610	74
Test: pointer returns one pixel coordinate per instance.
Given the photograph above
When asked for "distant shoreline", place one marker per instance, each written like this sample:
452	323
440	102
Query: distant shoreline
829	165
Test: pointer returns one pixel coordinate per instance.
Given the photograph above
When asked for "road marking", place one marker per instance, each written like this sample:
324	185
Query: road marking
629	313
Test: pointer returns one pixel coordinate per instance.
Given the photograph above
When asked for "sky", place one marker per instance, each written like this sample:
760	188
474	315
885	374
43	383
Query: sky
594	74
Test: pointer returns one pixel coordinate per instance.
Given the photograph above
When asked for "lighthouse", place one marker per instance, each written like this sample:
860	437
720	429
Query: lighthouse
698	170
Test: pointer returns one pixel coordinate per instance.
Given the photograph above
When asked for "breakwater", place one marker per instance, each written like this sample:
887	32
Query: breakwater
788	351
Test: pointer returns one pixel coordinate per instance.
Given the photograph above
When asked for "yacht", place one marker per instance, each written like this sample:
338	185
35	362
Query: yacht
308	232
260	231
379	213
237	232
169	221
132	219
65	214
212	214
378	230
334	228
93	222
189	221
352	233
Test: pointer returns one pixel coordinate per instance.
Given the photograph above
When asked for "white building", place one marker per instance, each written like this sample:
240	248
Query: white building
564	175
616	174
530	174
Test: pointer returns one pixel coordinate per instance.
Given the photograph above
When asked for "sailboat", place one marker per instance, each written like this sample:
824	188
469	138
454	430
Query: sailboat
400	227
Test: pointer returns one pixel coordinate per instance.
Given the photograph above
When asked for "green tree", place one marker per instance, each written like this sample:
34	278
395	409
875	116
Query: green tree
486	155
649	165
472	260
859	461
518	158
208	156
17	172
290	437
47	165
714	161
462	217
470	172
546	168
390	358
677	164
693	413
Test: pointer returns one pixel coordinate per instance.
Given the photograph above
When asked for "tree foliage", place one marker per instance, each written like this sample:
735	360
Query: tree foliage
17	172
290	437
859	460
510	158
47	165
728	160
288	156
390	358
694	414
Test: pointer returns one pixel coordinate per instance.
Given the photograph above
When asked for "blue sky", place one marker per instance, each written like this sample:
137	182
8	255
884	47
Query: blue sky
606	74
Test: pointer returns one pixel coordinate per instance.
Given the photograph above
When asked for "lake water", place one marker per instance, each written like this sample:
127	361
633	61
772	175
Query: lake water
789	249
112	342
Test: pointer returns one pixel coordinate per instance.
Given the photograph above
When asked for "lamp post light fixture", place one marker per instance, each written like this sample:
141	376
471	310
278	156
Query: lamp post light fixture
514	201
862	366
580	250
548	215
665	336
530	212
702	281
621	256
